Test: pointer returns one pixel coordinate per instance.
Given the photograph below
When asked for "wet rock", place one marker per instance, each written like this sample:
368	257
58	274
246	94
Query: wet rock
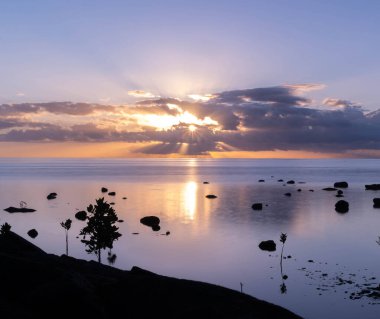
268	245
288	194
12	209
290	182
211	196
329	189
206	183
280	180
52	196
261	180
112	193
299	190
151	221
104	190
342	206
376	203
341	185
372	187
33	233
81	215
257	206
339	192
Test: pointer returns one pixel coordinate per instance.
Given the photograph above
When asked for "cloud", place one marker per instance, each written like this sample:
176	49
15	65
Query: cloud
141	94
259	119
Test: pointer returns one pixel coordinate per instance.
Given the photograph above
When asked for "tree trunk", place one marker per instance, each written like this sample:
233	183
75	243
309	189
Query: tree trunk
67	243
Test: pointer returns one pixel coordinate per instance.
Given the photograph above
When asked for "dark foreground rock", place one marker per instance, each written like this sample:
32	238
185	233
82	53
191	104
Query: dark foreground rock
12	210
376	203
39	285
52	196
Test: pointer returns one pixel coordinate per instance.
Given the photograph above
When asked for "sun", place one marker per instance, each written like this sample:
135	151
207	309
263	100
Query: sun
192	128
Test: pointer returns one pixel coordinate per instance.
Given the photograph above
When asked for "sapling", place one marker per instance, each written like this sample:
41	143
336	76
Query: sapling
67	225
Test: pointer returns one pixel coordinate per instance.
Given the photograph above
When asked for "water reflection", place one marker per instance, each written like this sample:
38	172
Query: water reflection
190	199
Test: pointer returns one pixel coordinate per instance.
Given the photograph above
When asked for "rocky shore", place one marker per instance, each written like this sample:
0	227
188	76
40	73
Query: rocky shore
35	284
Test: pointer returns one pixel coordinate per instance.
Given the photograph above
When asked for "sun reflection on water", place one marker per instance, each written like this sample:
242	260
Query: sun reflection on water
190	199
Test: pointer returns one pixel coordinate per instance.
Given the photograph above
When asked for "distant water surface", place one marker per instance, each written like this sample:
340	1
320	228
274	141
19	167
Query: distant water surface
216	240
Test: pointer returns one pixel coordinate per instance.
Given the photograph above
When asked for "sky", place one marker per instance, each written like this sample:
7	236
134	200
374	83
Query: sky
273	78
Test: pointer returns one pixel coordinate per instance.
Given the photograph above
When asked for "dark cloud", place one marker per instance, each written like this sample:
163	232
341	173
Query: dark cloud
274	118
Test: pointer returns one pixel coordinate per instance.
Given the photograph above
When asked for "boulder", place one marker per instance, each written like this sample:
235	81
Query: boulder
376	203
81	215
257	206
33	233
104	190
211	196
52	196
342	206
341	185
268	245
372	187
12	209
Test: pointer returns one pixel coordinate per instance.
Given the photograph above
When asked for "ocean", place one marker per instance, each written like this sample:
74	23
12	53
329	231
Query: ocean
329	257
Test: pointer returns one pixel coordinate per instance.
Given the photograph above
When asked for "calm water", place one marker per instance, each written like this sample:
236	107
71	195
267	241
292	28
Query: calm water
216	240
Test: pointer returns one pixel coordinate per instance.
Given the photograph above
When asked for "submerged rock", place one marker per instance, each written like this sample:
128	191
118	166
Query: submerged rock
211	196
104	190
12	209
341	185
257	206
268	245
376	203
81	215
33	233
342	206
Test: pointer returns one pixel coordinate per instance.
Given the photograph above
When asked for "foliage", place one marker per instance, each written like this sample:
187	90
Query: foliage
100	232
5	229
66	226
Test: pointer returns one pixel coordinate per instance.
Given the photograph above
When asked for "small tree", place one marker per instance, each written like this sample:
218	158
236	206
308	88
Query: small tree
5	229
100	230
66	226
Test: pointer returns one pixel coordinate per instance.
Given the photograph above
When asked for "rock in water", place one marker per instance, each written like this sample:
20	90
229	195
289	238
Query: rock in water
372	187
290	182
151	221
112	193
52	196
341	184
104	190
12	209
81	215
257	206
268	245
376	203
329	189
33	233
211	196
342	206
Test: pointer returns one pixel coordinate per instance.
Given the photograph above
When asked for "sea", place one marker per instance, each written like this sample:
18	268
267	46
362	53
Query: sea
329	258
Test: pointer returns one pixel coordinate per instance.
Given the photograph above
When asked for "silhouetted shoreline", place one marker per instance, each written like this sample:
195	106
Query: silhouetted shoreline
35	284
